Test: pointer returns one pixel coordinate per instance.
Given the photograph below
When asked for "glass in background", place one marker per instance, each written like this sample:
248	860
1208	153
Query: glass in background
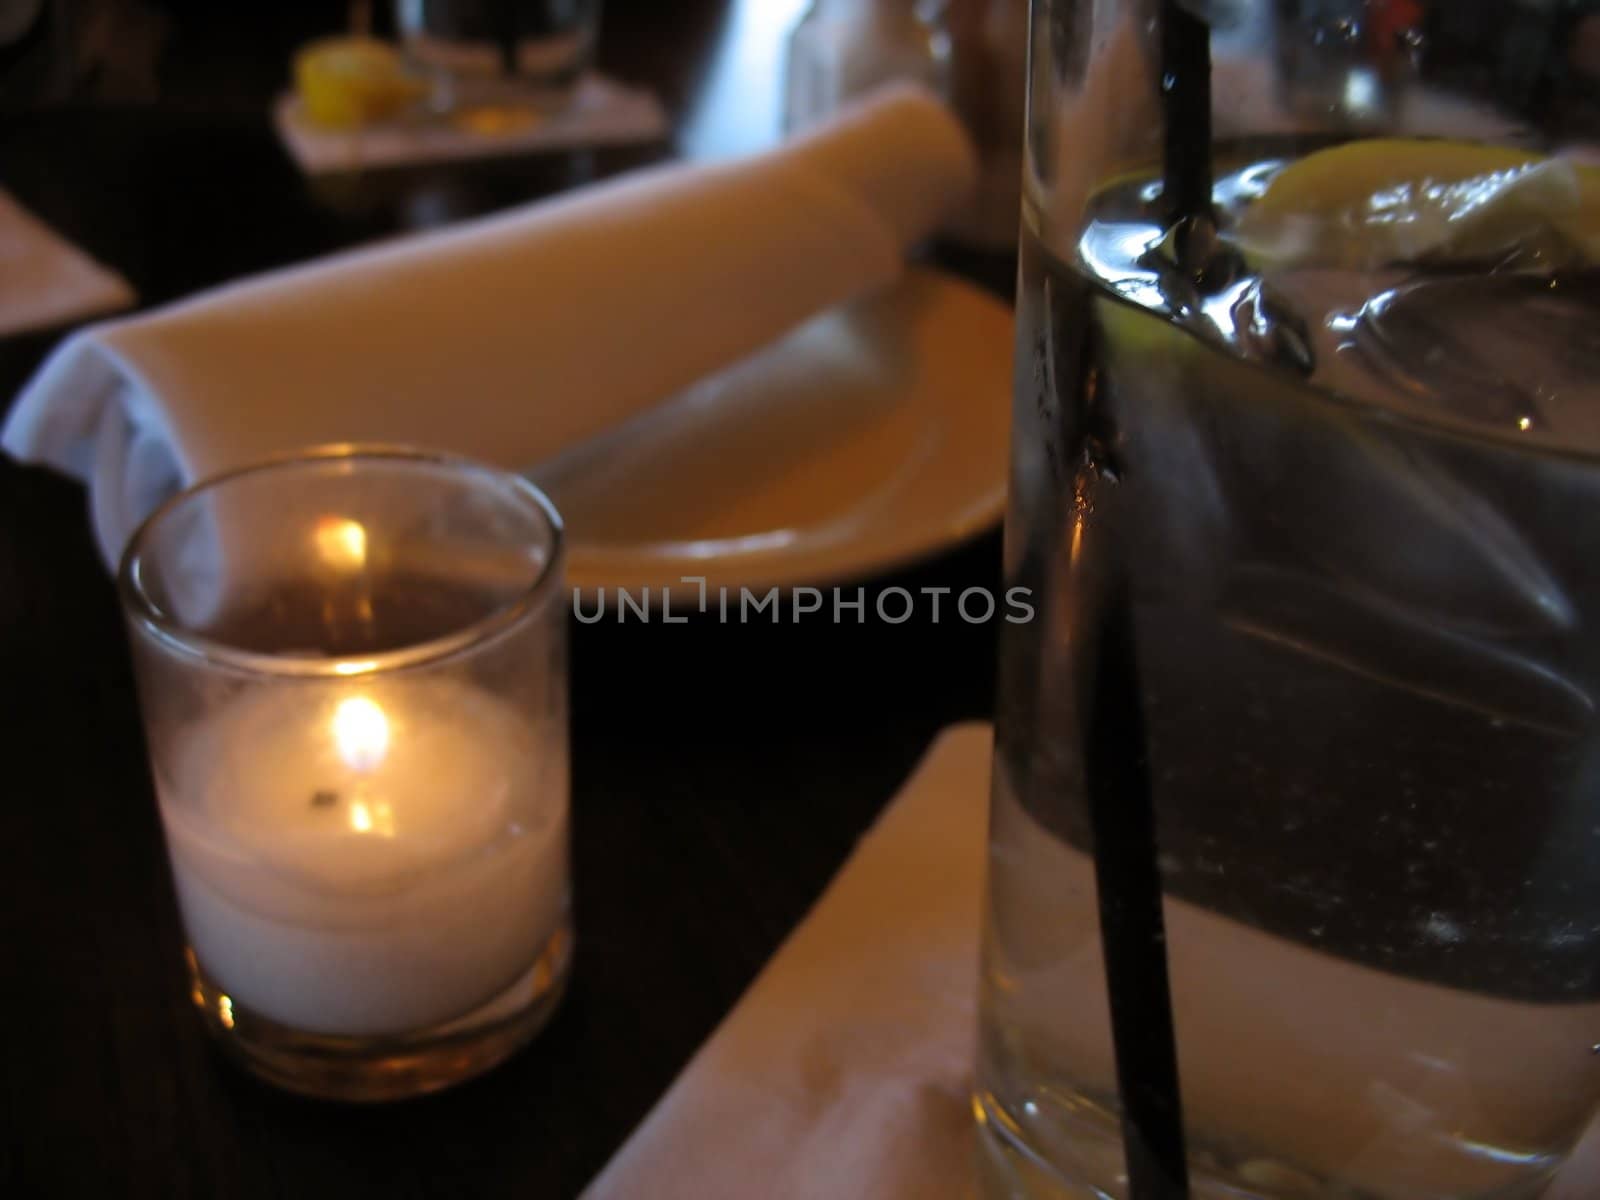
840	49
971	52
499	52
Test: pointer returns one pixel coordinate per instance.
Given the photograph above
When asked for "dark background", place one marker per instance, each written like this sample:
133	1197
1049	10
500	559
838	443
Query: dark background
721	772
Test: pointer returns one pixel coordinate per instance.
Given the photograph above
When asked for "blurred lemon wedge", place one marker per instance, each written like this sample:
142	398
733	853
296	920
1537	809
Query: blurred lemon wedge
347	82
1398	200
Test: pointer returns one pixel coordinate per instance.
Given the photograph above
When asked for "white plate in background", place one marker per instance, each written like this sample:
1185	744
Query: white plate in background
872	435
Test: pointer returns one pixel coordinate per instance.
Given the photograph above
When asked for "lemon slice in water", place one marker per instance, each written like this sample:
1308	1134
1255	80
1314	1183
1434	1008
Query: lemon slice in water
1372	203
346	82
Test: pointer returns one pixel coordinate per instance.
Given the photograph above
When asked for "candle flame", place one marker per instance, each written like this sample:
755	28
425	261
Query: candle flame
341	542
361	732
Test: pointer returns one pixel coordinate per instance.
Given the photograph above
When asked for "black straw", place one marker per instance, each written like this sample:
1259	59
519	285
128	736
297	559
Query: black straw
1116	752
1185	113
1132	928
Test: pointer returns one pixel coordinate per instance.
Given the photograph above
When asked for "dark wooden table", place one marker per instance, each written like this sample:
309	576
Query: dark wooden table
721	772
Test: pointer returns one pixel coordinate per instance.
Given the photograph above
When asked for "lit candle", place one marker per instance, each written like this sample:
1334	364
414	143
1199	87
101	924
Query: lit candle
367	858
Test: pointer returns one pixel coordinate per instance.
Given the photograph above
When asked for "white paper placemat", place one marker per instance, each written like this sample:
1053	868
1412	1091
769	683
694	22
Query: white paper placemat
845	1071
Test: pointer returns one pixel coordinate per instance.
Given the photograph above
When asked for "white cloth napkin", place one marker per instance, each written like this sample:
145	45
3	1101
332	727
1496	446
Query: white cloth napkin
46	280
602	112
508	338
845	1070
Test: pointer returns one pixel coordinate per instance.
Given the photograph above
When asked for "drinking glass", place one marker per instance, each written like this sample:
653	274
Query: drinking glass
1295	847
488	52
352	670
841	49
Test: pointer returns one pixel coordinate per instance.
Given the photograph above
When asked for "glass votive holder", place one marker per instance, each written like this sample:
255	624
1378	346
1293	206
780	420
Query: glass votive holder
352	670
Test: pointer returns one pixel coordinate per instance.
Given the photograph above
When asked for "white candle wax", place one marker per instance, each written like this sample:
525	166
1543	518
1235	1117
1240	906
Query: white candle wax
367	859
